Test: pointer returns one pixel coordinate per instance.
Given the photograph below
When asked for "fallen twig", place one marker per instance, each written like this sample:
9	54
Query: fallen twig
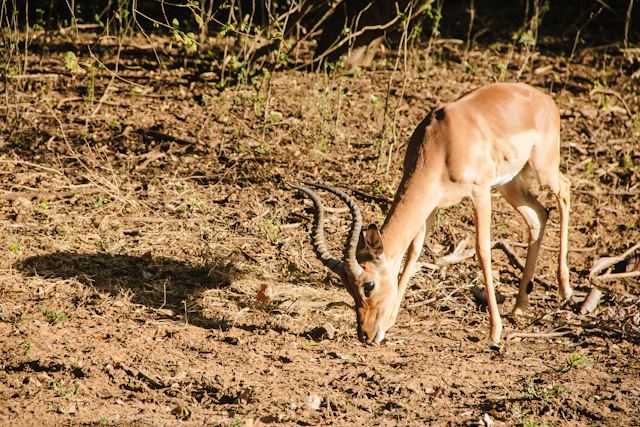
514	335
614	276
33	76
455	257
606	263
151	157
614	93
421	303
460	254
511	254
591	302
380	199
584	325
608	193
35	165
555	249
156	219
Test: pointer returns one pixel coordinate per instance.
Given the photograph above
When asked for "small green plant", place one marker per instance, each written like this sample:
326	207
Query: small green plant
99	201
529	388
530	422
64	391
604	101
102	245
469	69
635	125
579	359
376	101
54	316
533	391
589	167
188	39
71	61
28	348
323	145
264	148
113	123
526	38
379	187
502	67
73	64
14	247
576	360
274	230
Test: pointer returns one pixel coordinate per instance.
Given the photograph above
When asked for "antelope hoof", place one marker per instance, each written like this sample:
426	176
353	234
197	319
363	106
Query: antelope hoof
494	346
517	311
566	294
520	308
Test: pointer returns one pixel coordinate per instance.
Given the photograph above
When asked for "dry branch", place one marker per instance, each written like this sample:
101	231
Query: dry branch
514	335
511	254
591	302
607	263
379	199
555	249
608	193
460	254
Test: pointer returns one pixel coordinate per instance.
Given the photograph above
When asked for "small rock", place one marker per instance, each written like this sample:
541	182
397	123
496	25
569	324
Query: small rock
589	112
67	410
313	401
486	420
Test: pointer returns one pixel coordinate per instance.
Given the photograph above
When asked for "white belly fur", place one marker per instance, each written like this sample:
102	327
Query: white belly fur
502	180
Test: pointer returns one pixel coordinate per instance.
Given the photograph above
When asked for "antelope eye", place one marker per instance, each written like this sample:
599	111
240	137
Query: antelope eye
368	287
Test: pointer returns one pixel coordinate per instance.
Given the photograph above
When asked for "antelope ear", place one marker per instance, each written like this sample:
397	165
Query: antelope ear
361	245
373	241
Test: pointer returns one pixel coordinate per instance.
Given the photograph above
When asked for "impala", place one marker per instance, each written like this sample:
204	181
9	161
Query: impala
503	136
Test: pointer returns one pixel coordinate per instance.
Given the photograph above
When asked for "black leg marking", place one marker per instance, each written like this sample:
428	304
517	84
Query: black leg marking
530	287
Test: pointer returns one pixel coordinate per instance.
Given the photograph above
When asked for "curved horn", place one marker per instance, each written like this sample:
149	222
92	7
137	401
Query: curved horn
319	246
352	268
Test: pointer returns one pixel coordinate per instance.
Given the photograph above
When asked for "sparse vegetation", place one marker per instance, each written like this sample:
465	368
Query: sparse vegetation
155	268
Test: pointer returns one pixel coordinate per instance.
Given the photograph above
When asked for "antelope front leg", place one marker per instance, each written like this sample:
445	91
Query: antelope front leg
482	210
415	248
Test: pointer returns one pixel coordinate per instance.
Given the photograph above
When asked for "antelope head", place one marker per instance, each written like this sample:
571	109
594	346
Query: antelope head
364	271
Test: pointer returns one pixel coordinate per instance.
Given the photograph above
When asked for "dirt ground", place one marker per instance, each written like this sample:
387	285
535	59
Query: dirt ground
155	269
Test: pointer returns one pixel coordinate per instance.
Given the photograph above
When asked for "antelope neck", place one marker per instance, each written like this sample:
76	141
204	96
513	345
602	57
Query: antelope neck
400	229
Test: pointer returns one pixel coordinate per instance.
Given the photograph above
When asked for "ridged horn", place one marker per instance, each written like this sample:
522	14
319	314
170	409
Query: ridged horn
352	268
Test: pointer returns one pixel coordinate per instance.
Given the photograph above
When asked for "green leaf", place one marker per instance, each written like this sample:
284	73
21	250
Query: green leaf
71	61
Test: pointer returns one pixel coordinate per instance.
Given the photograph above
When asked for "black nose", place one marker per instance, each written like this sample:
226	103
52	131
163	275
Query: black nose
365	338
361	335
